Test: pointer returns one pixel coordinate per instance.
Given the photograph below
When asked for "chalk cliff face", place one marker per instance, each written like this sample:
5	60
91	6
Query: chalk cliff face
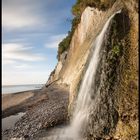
72	63
122	65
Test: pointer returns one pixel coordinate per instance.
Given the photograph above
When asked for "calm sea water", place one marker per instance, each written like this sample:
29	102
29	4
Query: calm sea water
19	88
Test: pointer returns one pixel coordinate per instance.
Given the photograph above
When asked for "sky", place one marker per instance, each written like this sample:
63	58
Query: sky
31	32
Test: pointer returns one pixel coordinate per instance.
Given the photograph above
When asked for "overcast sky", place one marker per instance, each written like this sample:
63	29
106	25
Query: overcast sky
31	31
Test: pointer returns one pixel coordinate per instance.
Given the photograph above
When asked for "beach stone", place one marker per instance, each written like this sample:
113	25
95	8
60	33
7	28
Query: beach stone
43	114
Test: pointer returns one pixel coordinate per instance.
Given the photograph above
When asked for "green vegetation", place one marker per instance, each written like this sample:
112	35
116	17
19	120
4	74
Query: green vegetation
65	43
77	10
117	43
80	5
116	50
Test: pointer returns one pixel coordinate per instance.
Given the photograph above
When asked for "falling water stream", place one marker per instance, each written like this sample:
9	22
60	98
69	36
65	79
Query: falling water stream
80	116
82	108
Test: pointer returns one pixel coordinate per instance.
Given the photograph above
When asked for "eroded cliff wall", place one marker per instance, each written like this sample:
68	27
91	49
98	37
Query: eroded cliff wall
119	63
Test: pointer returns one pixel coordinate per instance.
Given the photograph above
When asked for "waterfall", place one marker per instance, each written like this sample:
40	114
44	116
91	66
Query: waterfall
80	115
82	108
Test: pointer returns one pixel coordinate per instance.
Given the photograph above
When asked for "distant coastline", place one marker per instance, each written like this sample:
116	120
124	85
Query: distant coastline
6	89
21	85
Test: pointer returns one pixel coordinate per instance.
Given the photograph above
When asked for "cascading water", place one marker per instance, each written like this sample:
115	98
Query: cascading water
80	116
82	108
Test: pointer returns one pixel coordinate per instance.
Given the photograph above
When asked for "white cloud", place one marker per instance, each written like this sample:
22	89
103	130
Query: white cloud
14	78
13	19
54	41
8	61
19	14
22	66
30	21
12	52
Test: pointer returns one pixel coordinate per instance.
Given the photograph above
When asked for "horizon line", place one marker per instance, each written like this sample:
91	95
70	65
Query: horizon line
24	84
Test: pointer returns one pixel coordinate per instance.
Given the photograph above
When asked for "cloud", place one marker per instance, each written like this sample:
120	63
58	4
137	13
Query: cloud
26	26
12	52
18	14
14	78
22	66
14	19
54	41
33	15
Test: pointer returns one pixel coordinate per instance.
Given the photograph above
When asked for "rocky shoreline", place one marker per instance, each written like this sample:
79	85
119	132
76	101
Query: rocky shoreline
47	108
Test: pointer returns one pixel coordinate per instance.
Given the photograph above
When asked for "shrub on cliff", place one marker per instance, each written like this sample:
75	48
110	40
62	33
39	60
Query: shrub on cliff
65	43
80	5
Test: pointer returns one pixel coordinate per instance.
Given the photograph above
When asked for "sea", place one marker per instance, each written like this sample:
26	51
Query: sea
19	88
